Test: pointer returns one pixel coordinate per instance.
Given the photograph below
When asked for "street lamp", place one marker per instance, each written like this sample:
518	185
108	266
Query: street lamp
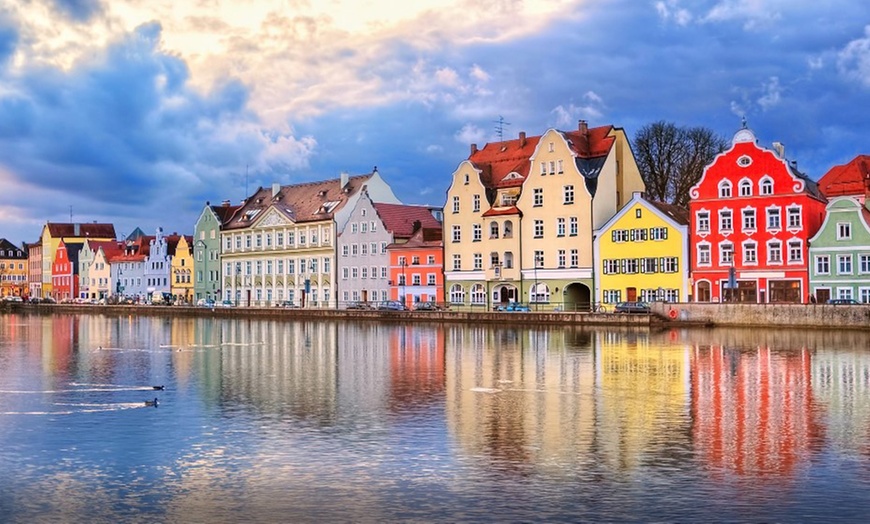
535	289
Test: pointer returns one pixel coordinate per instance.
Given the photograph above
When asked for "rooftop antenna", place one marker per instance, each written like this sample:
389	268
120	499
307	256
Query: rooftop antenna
499	127
246	180
70	214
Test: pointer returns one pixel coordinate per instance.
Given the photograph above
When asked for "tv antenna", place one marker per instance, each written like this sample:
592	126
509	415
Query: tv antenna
499	127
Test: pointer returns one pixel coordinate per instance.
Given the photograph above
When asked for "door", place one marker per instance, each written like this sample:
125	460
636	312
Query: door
631	294
823	295
365	295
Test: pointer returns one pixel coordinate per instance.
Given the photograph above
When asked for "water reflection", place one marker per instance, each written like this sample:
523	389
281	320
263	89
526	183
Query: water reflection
270	420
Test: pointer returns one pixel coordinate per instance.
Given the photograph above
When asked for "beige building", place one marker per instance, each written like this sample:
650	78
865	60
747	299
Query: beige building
520	216
280	246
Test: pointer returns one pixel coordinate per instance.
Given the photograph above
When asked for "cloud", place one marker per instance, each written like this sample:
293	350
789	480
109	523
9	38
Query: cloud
567	115
771	94
670	10
853	61
78	10
753	13
8	40
470	134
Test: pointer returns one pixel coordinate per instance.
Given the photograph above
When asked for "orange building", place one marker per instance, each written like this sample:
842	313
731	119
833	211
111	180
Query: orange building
417	268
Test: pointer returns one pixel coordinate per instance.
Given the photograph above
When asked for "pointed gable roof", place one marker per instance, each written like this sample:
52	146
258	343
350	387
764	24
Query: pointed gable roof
852	178
306	202
400	218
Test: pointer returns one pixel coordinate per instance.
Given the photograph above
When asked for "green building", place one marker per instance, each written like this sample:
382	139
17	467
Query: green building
840	253
207	249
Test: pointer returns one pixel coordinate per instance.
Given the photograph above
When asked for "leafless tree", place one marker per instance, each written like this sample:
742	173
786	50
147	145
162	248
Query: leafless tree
671	159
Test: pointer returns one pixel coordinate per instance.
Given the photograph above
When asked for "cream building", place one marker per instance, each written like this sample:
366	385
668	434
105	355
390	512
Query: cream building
520	216
281	244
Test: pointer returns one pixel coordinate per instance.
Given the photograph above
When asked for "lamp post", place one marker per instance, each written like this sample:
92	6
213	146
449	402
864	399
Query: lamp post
535	289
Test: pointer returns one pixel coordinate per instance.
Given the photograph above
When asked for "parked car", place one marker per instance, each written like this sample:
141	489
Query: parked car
632	307
12	298
286	304
227	303
429	306
359	305
392	305
513	306
205	302
843	302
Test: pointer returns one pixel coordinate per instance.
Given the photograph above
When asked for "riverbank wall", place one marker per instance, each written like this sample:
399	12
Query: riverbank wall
824	316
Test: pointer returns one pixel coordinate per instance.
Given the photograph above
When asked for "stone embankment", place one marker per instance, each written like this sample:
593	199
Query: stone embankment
824	316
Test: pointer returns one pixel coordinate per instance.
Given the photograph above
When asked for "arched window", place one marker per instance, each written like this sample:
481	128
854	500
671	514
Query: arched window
493	230
540	292
508	229
724	189
766	186
478	294
457	294
508	259
745	188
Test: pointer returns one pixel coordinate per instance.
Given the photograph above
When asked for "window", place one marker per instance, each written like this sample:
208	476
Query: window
637	235
561	169
373	248
750	253
648	265
354	272
374	272
670	264
430	260
383	248
748	220
844	293
456	204
864	295
611	296
540	292
478	294
457	294
476	233
493	259
619	235
364	227
457	262
572	226
354	228
794	217
795	254
844	264
658	233
844	231
457	235
279	239
823	265
561	258
774	252
344	273
575	258
538	260
493	230
508	259
724	189
539	228
864	263
478	261
745	188
476	203
354	249
766	186
629	266
726	253
560	227
543	168
538	197
508	229
774	222
703	221
364	249
568	194
364	273
725	220
552	167
384	273
415	260
373	226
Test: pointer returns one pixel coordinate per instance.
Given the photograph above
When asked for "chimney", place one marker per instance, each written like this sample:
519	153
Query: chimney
276	188
344	177
473	148
584	127
225	203
76	229
522	139
417	225
779	147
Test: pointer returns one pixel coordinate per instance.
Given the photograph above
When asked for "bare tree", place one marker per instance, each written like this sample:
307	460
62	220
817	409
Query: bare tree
671	159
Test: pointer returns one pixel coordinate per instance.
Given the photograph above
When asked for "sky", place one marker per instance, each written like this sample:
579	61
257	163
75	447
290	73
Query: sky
138	112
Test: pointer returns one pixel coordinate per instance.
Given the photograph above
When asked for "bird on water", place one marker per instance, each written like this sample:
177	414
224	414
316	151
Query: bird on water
159	388
151	402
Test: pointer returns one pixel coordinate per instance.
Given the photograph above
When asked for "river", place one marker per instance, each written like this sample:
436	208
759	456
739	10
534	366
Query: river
273	421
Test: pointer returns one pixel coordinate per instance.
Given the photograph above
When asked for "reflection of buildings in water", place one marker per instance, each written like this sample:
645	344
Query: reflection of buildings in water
841	382
363	365
643	391
753	410
416	366
523	397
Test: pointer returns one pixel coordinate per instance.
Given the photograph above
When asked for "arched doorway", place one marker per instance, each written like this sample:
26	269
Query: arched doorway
577	297
504	293
703	292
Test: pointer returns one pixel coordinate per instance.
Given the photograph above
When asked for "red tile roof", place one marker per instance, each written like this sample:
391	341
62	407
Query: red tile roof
225	212
424	238
136	251
852	178
501	211
91	230
400	218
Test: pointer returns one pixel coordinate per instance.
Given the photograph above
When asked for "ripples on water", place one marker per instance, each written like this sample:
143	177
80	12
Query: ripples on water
269	421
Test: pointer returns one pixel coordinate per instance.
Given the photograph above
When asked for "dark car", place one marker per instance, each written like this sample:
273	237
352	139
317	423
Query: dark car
632	307
392	305
843	302
359	305
428	306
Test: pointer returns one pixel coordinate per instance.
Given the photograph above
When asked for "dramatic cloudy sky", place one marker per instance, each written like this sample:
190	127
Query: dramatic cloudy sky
138	111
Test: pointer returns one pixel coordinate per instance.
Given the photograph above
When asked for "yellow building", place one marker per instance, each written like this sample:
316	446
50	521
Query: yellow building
181	281
519	216
53	233
641	253
13	269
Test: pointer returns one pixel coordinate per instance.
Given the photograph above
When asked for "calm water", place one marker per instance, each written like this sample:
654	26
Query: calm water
271	421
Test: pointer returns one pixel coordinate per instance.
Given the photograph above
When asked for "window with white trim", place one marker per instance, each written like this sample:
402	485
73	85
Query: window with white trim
457	233
703	254
611	267
611	296
561	258
572	226
774	221
538	197
748	220
475	203
703	221
795	253
774	252
457	294
476	233
750	253
794	217
823	265
560	227
658	233
629	266
724	189
766	186
568	194
575	258
478	294
539	228
864	295
670	264
844	264
477	260
726	253
493	230
725	223
844	293
745	188
456	204
457	262
864	263
844	230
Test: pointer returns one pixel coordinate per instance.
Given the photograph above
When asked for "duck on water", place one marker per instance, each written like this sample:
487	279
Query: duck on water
151	402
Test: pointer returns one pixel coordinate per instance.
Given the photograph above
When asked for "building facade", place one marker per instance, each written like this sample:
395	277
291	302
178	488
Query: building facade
181	270
417	268
207	249
71	233
13	269
128	269
642	254
34	273
751	215
65	271
840	253
520	215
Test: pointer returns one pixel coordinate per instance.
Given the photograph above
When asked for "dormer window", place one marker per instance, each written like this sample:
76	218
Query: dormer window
744	161
725	189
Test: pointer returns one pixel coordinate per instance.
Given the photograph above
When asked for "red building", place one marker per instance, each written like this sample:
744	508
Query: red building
417	268
751	215
851	179
65	271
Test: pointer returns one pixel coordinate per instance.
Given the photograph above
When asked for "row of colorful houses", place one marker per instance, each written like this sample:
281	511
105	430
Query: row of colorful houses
557	220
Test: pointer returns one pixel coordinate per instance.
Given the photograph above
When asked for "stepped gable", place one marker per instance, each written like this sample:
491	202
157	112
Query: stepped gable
306	202
675	213
71	230
852	178
400	218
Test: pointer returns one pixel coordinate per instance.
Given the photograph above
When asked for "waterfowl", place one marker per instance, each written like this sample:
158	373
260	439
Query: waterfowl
151	402
159	388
